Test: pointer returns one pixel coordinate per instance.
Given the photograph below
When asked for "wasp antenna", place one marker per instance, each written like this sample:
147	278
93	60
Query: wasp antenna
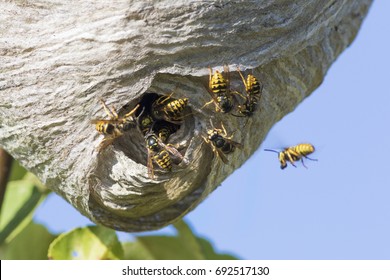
142	112
151	129
269	150
211	122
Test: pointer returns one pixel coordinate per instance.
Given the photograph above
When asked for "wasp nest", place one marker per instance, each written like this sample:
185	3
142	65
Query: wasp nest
60	58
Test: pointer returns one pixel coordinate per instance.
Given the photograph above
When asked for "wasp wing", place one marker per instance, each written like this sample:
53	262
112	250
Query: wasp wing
235	144
221	155
95	121
171	149
150	165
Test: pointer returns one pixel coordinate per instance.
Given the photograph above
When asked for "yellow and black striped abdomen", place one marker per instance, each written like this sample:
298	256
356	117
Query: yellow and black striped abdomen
105	127
218	83
303	149
163	160
176	106
253	85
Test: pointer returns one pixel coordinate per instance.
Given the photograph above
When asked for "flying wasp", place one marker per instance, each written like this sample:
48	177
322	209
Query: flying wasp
219	89
294	153
159	153
169	109
220	142
253	90
113	127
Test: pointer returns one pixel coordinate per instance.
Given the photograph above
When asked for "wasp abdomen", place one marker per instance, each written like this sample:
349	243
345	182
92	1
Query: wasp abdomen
227	148
169	109
177	105
163	160
253	85
304	149
218	83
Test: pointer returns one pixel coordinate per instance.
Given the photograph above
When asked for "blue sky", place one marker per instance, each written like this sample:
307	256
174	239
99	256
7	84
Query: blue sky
338	208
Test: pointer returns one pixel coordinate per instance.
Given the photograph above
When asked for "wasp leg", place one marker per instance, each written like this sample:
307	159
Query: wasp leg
206	140
290	158
133	111
210	76
112	114
224	134
164	98
238	93
208	103
227	76
243	79
314	159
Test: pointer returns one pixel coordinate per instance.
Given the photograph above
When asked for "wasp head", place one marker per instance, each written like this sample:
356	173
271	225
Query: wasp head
151	142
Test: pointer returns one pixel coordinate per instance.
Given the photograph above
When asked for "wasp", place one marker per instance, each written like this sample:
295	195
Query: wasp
159	153
113	127
220	142
164	129
144	121
252	85
253	90
248	107
294	153
169	109
219	89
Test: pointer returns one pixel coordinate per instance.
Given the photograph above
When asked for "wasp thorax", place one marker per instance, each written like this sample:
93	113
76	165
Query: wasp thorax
219	142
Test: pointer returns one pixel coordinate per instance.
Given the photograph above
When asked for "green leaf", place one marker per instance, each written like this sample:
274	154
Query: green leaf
17	171
189	240
21	198
31	243
184	246
88	243
136	251
209	252
160	248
